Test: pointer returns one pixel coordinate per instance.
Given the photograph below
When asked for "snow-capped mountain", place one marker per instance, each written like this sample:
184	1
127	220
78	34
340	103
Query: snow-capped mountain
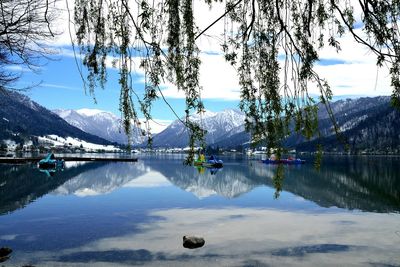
101	123
22	119
367	124
219	126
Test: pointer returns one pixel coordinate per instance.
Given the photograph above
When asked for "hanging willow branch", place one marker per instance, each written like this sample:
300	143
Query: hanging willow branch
274	45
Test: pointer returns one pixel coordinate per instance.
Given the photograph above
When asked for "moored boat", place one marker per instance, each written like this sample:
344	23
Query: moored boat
50	162
212	162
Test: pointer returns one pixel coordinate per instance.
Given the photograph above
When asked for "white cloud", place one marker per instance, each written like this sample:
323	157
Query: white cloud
358	75
218	80
51	85
18	68
156	125
356	79
61	26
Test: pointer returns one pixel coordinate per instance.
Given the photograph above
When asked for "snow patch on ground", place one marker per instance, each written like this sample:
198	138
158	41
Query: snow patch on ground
74	142
353	123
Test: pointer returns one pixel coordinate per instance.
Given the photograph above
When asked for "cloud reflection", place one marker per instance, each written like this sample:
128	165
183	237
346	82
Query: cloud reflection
267	237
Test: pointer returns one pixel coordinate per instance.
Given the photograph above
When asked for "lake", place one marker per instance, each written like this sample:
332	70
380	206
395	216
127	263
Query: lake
118	214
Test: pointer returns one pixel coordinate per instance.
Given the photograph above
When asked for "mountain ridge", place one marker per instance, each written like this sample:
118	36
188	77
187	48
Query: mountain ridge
102	123
367	123
219	125
21	119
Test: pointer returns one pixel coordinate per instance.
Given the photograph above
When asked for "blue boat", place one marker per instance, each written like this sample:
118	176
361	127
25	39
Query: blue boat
50	162
212	162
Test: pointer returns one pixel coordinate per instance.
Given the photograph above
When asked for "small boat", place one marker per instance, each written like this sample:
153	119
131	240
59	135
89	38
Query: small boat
50	162
212	162
284	161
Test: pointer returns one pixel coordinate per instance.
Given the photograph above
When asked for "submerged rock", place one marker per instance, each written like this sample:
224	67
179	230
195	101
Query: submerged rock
4	253
192	242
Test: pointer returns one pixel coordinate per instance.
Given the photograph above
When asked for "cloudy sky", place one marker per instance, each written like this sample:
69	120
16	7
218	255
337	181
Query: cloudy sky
351	73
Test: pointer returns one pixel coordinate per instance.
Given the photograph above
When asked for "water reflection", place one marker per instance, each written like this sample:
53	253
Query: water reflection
101	214
254	237
23	184
364	183
103	179
368	184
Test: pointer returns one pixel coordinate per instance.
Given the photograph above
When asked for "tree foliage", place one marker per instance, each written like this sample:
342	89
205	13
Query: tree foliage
25	25
274	46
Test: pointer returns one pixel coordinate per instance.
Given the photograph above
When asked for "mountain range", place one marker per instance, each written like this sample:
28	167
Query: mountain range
220	126
21	119
101	123
367	124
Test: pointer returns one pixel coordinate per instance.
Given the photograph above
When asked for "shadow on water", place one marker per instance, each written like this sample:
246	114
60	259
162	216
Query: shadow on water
139	256
305	250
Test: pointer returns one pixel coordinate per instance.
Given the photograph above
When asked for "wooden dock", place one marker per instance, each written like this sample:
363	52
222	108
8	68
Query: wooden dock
12	160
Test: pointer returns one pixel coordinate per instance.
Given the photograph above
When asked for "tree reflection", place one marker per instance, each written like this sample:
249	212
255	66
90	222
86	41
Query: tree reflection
277	180
23	184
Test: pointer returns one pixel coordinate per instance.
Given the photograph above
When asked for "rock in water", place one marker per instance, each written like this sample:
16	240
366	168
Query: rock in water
4	252
192	242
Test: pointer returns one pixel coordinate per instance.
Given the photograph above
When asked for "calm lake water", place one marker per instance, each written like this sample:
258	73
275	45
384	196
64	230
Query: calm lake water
119	214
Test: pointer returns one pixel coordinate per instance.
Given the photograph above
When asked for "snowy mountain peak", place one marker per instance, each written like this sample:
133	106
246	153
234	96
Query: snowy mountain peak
22	119
219	125
231	116
90	112
62	113
101	123
226	113
201	116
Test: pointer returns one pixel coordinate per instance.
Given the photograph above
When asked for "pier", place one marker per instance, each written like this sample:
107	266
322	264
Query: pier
12	160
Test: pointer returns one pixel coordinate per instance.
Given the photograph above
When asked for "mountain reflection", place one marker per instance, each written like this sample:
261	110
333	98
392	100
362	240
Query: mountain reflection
367	184
364	183
230	182
23	184
103	179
